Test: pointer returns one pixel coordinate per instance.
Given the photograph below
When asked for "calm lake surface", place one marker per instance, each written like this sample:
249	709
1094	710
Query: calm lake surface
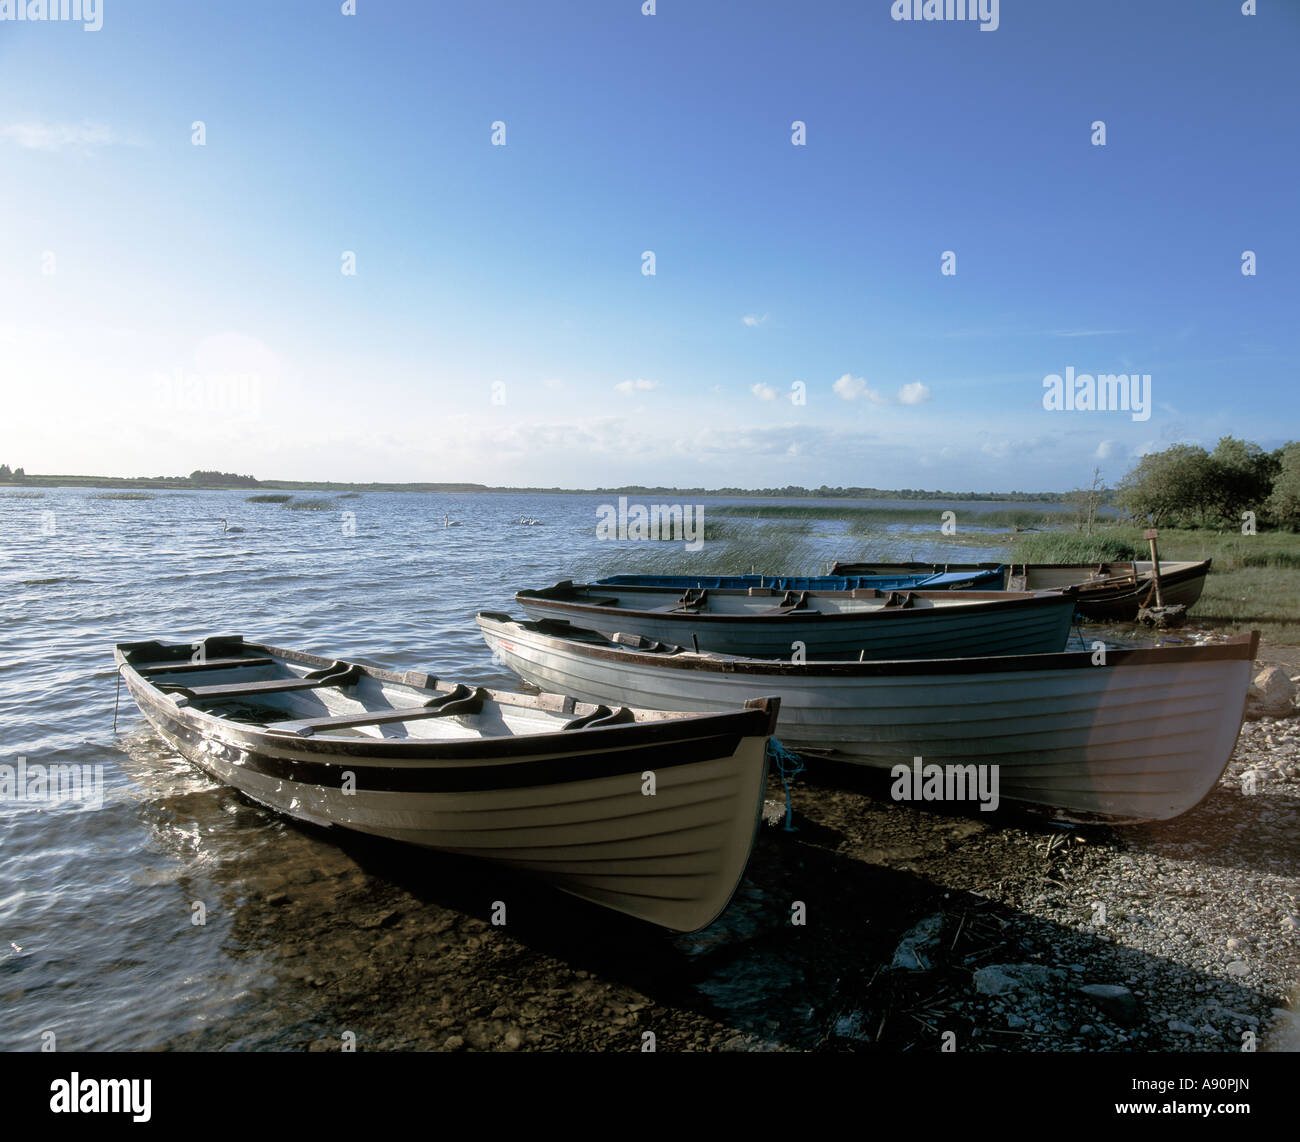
97	939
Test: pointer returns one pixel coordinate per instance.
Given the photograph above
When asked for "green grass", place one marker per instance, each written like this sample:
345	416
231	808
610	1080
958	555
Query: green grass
1074	547
1254	581
311	504
1253	598
1230	550
123	496
269	498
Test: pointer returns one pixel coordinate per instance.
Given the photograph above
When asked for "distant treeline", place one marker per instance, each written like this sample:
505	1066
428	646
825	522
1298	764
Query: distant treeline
797	491
1186	486
216	480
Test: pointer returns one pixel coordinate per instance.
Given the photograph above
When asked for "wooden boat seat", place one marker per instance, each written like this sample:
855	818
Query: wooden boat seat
790	604
601	716
459	701
900	600
340	674
207	664
692	600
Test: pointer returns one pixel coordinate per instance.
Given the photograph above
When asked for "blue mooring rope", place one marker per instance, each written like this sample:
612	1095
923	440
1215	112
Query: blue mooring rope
788	767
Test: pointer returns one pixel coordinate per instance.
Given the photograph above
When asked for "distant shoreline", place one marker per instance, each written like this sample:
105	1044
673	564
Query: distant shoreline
181	483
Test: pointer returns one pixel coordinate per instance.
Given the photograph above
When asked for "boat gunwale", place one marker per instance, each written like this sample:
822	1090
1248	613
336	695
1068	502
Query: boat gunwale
956	602
1236	648
1184	568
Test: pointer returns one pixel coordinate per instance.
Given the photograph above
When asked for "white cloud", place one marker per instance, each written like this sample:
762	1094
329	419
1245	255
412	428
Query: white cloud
850	388
1106	449
638	385
752	320
914	393
60	136
763	392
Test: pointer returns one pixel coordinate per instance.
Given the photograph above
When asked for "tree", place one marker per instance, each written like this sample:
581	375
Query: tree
1241	475
5	474
1169	485
1085	502
1284	502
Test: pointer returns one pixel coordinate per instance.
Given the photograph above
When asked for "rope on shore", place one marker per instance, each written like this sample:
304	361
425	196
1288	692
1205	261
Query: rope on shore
788	767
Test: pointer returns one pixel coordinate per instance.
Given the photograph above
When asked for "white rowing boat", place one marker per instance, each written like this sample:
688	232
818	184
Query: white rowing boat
542	783
1131	735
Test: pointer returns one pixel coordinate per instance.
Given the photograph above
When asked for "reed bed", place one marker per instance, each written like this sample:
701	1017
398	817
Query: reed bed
998	518
123	496
311	504
269	498
768	551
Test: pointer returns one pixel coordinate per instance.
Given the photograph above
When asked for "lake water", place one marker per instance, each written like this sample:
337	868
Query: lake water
97	939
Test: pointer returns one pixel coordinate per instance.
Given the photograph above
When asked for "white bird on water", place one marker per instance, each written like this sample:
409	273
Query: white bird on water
447	521
226	529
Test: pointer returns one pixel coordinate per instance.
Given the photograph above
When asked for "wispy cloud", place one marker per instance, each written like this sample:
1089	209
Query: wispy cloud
61	136
637	386
752	320
763	392
914	393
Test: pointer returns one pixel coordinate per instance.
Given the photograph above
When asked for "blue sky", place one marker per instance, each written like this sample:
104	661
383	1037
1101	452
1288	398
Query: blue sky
166	306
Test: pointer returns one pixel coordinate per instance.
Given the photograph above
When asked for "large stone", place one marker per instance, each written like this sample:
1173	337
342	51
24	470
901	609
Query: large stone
913	951
999	979
1117	1001
1272	694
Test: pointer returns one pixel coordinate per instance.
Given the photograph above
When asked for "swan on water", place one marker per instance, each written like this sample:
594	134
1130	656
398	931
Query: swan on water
226	529
447	521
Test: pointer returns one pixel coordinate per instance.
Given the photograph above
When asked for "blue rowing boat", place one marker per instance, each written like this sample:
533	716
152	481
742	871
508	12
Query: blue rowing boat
981	578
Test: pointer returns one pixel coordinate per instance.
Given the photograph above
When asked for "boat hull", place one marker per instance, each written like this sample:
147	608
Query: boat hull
957	625
573	811
1131	588
1144	737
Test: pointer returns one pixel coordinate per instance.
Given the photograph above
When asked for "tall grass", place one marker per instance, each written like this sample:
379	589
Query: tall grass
1072	547
123	496
269	498
737	555
1007	518
1229	550
310	504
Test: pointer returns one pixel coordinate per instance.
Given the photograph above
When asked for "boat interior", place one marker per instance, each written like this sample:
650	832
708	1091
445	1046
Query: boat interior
762	602
313	698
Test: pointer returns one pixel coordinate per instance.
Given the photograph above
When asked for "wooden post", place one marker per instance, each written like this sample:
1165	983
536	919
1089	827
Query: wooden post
1150	534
